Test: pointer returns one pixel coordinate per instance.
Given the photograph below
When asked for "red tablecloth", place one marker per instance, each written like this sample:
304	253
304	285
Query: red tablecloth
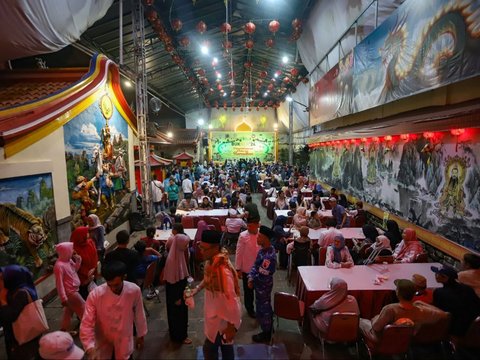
312	282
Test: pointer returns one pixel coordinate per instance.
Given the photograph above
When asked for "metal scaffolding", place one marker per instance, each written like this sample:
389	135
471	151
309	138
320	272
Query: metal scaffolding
141	101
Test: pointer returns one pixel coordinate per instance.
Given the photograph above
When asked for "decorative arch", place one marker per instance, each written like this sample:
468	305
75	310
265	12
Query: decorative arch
243	126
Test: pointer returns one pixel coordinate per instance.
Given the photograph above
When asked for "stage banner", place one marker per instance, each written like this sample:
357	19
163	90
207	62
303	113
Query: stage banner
227	145
423	45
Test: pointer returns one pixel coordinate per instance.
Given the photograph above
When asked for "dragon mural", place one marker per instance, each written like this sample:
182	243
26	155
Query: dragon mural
436	55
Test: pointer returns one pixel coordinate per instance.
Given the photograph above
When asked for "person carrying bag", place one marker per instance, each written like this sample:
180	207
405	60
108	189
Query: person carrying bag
16	292
31	322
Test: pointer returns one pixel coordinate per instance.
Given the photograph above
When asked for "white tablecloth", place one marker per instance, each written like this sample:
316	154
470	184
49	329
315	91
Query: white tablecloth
361	277
323	213
348	233
214	212
163	235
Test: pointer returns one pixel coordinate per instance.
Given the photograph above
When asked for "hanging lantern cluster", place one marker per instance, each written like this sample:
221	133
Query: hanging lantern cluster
390	140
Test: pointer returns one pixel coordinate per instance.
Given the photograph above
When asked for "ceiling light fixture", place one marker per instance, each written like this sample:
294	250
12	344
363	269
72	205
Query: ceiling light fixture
215	60
210	126
284	59
288	98
204	49
219	76
201	121
127	83
170	134
224	94
265	94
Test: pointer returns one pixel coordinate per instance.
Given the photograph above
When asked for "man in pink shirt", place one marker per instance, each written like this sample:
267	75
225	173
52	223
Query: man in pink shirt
247	250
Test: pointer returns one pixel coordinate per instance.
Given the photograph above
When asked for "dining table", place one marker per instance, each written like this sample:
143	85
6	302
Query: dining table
372	285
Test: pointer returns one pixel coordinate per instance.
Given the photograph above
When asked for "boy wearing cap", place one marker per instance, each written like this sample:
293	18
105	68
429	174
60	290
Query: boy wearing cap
419	313
261	279
458	299
223	310
59	345
422	293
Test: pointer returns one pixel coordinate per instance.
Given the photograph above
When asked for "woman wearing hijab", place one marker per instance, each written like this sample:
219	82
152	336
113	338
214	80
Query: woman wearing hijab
393	233
85	247
201	227
281	237
338	255
409	247
334	300
370	232
16	290
299	219
381	247
175	274
97	234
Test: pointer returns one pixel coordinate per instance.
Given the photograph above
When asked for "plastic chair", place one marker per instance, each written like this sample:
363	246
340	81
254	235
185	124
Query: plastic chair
342	328
434	333
150	278
471	339
395	340
421	258
287	306
214	221
322	256
188	222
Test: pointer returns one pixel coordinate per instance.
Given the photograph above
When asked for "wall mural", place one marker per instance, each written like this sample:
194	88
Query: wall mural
27	222
96	148
236	145
431	179
422	45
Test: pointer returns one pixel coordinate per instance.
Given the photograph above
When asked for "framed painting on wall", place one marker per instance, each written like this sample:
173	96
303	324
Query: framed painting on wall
28	222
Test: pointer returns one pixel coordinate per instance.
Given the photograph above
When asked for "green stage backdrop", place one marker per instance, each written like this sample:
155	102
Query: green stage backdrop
247	145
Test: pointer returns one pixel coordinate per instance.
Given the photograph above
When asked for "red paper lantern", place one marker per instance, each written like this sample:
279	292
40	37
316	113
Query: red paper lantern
278	73
270	87
294	72
457	132
248	64
152	15
225	28
263	74
388	138
148	2
201	27
297	24
185	41
274	26
305	80
169	48
231	74
249	27
201	72
219	87
286	80
249	44
227	44
233	93
270	43
177	24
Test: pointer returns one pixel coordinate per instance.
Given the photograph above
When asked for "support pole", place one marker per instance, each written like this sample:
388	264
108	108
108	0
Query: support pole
141	102
120	32
290	134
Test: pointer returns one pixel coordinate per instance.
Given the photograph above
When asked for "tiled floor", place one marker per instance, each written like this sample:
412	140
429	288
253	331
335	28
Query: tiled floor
291	343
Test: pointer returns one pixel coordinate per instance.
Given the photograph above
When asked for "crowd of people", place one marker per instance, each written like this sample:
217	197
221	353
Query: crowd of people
110	305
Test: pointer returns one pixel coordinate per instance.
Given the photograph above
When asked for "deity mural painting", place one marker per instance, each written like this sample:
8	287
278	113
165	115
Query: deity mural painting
96	142
27	222
432	182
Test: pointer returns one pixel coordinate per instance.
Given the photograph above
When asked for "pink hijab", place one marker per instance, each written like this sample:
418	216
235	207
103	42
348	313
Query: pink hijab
176	265
201	227
409	244
337	293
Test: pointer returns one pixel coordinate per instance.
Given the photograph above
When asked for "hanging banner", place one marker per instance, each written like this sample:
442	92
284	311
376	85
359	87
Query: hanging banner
423	45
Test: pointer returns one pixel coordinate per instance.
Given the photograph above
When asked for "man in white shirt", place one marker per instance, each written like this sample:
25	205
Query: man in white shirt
111	311
187	186
157	194
247	250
